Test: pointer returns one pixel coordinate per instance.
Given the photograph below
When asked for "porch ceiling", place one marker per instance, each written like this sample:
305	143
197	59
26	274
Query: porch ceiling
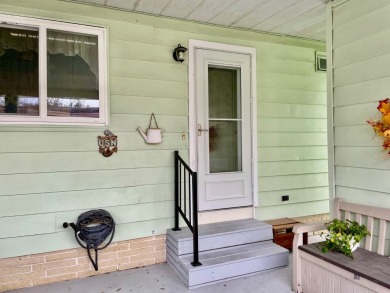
299	18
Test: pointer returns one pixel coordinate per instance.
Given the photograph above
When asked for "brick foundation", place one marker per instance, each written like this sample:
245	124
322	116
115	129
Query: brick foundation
44	268
313	219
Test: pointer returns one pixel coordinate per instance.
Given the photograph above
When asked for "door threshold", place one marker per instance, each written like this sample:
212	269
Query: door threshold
223	215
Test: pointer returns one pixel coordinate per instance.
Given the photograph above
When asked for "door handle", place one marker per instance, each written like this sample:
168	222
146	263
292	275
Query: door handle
200	130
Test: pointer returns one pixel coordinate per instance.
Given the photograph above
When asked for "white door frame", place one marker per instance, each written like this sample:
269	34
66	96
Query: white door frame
193	132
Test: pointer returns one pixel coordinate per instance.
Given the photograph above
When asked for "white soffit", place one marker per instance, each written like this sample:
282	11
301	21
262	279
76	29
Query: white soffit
298	18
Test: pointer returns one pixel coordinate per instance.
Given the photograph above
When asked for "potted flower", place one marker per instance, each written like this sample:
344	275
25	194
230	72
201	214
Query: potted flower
344	236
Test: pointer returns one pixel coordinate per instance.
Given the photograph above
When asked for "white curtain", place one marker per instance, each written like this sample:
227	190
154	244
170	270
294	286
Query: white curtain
72	44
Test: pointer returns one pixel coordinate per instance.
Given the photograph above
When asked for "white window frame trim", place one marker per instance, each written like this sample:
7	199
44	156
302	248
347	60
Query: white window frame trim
42	25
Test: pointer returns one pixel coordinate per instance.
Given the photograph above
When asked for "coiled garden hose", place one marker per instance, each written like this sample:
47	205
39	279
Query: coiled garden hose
93	228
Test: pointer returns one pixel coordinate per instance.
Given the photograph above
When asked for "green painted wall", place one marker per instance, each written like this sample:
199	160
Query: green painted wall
50	174
361	78
361	61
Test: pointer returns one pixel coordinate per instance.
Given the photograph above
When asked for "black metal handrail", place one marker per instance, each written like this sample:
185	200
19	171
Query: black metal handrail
186	183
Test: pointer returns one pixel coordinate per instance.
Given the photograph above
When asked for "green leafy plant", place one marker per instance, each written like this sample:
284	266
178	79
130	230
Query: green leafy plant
343	235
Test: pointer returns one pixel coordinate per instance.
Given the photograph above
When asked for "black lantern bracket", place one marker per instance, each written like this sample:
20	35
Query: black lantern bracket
178	53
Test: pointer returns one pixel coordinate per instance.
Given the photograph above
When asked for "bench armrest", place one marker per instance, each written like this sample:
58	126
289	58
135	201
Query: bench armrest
299	229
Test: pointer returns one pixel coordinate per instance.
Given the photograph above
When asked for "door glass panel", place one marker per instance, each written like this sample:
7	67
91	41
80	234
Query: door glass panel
224	93
225	142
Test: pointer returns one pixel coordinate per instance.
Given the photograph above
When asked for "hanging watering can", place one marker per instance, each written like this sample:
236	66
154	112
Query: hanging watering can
152	135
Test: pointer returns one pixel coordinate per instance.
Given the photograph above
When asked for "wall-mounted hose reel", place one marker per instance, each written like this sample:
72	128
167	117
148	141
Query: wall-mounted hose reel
93	228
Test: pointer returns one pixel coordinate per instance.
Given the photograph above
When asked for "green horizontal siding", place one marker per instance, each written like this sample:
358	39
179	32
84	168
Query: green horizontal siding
266	154
140	110
361	178
282	124
366	48
293	96
376	67
18	163
292	111
292	210
55	141
50	174
369	157
356	136
360	196
296	196
292	139
293	82
65	239
131	104
285	66
361	49
362	92
63	181
292	182
25	204
26	225
293	167
353	114
363	25
149	88
125	214
150	70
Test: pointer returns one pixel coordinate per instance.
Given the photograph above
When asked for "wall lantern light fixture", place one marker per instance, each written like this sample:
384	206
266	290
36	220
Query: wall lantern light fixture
178	53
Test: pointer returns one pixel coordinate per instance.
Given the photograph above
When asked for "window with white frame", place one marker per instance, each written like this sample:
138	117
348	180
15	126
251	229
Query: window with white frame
52	72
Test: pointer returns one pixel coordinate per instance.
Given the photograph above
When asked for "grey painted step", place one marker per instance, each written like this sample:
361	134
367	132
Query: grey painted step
219	235
228	263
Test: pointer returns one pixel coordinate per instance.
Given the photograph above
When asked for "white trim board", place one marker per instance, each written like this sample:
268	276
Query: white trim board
224	215
330	121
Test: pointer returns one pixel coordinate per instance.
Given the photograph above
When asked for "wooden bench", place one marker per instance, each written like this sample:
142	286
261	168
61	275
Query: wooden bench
314	271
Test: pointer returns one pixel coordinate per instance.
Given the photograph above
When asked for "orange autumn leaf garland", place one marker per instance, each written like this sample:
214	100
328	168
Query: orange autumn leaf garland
384	106
382	126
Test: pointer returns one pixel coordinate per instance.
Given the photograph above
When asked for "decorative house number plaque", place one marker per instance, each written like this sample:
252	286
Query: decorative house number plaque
108	144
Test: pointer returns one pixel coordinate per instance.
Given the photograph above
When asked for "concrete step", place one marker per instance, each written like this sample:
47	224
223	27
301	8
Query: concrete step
228	263
219	235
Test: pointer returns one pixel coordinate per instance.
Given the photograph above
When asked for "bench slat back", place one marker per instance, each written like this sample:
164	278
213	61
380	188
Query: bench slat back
372	213
382	237
370	227
359	218
376	212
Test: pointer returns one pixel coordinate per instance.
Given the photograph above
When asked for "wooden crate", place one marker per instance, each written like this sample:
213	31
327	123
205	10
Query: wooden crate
282	232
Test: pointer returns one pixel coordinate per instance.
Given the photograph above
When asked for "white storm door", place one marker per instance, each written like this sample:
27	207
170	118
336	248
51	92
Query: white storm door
224	152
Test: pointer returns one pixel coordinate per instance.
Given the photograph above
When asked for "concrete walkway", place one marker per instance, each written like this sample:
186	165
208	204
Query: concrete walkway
160	278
